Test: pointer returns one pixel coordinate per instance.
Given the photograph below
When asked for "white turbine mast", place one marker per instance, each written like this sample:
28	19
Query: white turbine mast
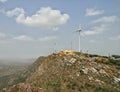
79	31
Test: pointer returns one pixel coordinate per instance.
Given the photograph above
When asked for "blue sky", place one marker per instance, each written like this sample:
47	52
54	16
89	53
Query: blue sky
30	29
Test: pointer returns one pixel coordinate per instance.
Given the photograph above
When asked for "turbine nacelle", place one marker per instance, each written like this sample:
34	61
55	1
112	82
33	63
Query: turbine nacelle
79	30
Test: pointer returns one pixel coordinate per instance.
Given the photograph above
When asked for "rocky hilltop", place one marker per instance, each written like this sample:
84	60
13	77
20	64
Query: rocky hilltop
68	71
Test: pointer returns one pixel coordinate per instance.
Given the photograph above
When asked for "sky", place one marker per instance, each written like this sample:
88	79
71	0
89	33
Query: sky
29	29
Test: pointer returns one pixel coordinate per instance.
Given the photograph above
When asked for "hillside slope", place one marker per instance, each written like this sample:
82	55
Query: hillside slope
19	76
69	71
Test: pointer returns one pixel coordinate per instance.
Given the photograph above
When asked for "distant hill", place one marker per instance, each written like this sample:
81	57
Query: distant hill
10	66
67	71
16	61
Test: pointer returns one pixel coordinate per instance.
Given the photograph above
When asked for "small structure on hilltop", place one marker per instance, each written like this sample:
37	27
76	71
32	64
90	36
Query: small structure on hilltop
65	52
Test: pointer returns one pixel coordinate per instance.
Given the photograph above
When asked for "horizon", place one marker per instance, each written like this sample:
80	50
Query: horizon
14	59
39	28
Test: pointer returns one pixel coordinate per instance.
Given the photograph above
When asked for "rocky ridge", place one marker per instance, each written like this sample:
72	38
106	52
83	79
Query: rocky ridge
69	71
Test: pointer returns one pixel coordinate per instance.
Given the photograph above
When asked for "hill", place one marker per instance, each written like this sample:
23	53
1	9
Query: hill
68	71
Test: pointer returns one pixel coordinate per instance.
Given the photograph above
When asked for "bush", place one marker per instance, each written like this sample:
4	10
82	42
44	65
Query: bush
116	56
115	62
93	55
54	84
71	85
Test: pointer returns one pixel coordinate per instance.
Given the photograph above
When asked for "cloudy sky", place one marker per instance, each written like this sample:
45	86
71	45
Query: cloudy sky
39	27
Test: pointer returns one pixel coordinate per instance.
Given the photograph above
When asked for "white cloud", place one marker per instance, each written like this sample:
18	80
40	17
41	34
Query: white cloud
45	17
95	30
115	38
104	24
93	12
48	38
23	38
3	1
109	19
15	12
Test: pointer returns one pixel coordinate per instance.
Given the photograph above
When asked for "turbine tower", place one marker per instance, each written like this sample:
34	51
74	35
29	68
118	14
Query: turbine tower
79	31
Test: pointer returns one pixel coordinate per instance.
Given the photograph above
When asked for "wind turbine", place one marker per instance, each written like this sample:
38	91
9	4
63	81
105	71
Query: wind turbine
55	51
79	31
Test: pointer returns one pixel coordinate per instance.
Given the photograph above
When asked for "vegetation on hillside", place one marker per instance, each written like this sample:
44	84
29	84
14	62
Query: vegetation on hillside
69	71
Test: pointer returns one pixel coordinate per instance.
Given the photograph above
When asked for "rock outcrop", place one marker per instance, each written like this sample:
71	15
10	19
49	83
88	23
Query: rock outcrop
69	71
23	87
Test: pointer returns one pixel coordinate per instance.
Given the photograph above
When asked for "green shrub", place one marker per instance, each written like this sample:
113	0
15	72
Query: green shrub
54	84
93	55
71	85
116	56
115	62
